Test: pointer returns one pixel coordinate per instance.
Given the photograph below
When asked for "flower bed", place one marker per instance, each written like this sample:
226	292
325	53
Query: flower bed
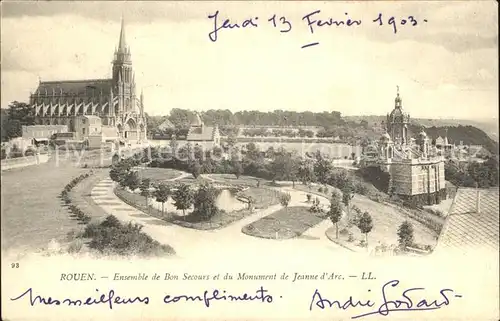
285	223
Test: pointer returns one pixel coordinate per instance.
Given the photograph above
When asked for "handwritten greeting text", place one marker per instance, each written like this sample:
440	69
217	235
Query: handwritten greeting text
387	301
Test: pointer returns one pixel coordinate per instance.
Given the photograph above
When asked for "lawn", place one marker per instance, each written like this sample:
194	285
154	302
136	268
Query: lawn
231	179
386	221
32	212
159	174
285	223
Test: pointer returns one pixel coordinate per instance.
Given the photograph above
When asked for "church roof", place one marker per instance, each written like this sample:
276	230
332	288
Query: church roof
473	220
75	87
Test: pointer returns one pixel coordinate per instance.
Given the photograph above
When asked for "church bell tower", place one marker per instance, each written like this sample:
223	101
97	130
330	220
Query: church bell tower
123	76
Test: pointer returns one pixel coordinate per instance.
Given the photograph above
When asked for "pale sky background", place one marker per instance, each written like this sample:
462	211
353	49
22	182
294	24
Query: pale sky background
446	68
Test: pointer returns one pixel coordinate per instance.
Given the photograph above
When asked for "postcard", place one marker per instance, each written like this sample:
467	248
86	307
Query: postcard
213	160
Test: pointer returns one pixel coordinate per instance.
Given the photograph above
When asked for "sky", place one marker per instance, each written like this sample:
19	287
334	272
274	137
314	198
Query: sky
446	67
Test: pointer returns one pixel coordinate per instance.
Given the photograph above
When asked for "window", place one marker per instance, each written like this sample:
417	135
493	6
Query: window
83	121
83	131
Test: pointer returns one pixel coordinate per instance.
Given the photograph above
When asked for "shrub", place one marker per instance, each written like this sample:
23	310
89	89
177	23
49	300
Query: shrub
75	246
362	243
112	237
309	197
350	237
344	231
91	230
316	208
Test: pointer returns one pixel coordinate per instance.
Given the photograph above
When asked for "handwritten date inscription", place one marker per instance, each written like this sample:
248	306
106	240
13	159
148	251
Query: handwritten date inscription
313	21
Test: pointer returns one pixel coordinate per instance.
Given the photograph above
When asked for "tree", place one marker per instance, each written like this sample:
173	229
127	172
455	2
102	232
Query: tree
162	194
132	181
183	198
195	169
347	195
305	172
204	201
405	234
173	144
284	166
365	225
322	168
145	189
232	140
118	173
285	199
19	114
335	213
237	168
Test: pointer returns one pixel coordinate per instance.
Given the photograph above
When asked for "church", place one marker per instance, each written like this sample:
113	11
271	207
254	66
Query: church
96	110
415	168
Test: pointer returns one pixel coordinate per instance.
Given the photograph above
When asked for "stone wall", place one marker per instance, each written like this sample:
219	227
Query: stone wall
415	201
24	161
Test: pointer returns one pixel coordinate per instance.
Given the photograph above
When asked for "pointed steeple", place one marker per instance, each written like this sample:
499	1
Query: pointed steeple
122	44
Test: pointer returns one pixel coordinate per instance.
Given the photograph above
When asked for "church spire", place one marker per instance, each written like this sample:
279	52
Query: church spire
122	44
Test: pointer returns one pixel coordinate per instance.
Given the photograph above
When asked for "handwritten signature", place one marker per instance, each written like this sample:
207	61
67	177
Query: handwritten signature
404	303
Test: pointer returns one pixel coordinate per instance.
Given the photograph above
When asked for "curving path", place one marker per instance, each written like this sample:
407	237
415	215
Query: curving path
222	243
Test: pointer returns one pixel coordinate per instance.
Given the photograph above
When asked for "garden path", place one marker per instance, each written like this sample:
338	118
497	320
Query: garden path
223	243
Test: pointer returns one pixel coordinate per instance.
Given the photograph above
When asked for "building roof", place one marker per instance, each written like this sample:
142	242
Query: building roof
202	133
473	220
75	87
166	124
197	120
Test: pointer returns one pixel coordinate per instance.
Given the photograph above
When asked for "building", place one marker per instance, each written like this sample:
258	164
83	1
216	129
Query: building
415	169
200	134
444	147
473	221
166	124
95	107
42	133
